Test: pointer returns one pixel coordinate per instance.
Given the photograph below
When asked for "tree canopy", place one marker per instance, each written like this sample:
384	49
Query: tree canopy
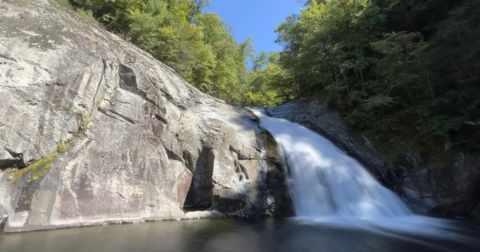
394	68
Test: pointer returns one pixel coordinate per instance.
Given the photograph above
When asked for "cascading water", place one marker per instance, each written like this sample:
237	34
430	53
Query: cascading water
327	185
327	182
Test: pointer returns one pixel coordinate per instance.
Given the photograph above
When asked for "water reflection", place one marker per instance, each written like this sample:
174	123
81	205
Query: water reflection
235	235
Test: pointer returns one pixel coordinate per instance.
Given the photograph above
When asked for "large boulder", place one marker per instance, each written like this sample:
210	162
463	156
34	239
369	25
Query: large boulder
450	188
94	130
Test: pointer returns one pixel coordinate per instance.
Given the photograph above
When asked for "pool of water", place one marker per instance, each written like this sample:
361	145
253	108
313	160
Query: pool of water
237	235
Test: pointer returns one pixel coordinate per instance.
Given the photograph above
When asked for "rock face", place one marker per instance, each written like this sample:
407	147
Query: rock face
319	118
94	130
450	188
277	178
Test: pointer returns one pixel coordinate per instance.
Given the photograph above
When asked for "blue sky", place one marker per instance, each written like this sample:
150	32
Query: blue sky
257	18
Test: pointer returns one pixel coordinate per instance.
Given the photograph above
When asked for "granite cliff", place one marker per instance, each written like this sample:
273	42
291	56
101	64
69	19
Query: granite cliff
94	130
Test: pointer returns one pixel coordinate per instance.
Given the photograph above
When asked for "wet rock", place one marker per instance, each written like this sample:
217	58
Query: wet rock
231	206
318	117
414	161
449	188
204	215
476	215
279	201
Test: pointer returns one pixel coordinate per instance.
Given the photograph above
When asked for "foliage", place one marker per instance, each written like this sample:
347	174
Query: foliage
266	81
395	69
40	167
83	122
62	146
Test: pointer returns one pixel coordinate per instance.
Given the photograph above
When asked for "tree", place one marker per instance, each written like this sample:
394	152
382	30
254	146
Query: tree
268	81
393	68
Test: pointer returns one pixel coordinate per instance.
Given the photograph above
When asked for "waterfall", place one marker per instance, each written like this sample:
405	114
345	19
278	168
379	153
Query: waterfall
325	180
329	186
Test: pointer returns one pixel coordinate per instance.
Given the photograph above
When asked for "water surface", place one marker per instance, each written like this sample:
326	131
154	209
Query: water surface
235	235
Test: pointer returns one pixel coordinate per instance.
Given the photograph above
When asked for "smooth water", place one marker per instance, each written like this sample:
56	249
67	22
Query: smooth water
229	235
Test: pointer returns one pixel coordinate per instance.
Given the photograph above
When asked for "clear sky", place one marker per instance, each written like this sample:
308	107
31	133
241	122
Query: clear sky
257	18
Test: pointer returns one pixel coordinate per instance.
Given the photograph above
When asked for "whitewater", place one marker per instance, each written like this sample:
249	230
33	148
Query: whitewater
330	187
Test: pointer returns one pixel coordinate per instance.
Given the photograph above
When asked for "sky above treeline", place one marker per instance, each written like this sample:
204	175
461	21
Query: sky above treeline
256	18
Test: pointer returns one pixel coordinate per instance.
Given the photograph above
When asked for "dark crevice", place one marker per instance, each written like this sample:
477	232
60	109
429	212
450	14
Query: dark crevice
243	170
200	194
231	206
172	156
7	57
168	96
122	116
99	85
15	162
121	196
114	117
170	99
9	163
187	157
222	186
161	119
164	110
128	80
240	155
3	222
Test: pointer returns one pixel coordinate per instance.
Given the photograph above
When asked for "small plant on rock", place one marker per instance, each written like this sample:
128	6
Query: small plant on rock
37	169
83	124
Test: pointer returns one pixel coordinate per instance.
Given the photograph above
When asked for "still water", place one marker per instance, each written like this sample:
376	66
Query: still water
236	235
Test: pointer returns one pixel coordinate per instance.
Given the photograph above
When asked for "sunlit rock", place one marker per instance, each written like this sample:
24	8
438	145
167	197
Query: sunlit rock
94	130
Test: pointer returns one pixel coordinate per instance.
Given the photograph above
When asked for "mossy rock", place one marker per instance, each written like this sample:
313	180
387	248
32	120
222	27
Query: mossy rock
37	169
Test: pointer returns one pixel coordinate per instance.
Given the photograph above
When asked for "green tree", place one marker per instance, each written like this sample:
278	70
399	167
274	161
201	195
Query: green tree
393	68
269	82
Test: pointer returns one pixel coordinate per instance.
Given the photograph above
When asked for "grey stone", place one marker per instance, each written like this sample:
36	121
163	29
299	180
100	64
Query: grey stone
119	135
204	215
449	188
